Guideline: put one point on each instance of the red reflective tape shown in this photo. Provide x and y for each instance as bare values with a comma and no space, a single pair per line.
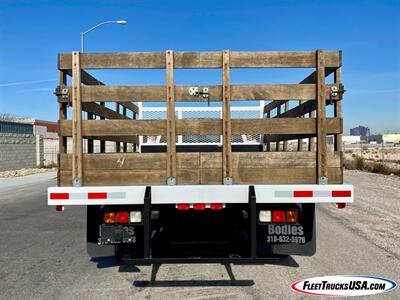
59,196
302,193
97,195
341,193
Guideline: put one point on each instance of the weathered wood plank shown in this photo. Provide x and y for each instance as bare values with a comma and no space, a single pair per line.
338,114
281,59
197,160
117,127
77,171
321,117
202,176
157,93
226,117
102,111
199,127
171,132
188,60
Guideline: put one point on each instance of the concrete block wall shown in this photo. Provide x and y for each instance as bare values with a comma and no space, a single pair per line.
19,151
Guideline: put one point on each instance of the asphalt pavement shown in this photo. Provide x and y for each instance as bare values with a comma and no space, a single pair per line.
43,252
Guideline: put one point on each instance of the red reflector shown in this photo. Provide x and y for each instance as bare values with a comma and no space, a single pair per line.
97,195
302,193
341,193
278,216
341,205
59,196
122,217
216,206
199,206
183,206
59,208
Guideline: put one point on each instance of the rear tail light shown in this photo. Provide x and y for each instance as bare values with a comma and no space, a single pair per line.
109,217
136,217
216,206
292,216
341,205
122,217
60,208
199,206
264,216
278,216
183,206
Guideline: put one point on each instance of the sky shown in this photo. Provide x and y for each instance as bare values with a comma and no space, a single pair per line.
368,33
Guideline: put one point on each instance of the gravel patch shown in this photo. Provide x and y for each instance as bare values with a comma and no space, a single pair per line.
25,172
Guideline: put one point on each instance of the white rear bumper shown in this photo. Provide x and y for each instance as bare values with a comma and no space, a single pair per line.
105,195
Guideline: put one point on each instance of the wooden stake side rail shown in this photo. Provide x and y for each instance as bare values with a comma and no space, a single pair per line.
200,168
201,127
191,60
239,92
87,94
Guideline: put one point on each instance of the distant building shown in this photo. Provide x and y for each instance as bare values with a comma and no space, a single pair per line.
15,128
376,138
46,129
361,131
348,139
391,138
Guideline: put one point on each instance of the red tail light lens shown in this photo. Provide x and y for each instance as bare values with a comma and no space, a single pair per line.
199,206
122,217
341,205
183,206
278,216
216,206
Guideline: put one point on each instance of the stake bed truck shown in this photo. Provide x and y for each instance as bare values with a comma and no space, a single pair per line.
209,181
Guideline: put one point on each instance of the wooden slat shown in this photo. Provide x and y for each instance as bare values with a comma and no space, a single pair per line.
171,134
102,111
321,117
77,172
197,160
201,176
157,93
199,127
338,114
117,127
285,143
62,115
239,59
291,59
226,117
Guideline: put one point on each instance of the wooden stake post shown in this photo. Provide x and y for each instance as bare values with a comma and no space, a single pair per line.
77,171
322,171
171,134
226,119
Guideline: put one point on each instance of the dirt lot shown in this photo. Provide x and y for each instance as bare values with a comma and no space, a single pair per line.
389,156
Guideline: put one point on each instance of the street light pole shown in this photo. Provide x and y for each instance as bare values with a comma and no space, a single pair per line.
120,22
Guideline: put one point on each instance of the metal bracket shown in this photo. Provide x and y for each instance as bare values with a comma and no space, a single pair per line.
337,91
195,91
323,180
63,92
76,183
228,180
171,181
